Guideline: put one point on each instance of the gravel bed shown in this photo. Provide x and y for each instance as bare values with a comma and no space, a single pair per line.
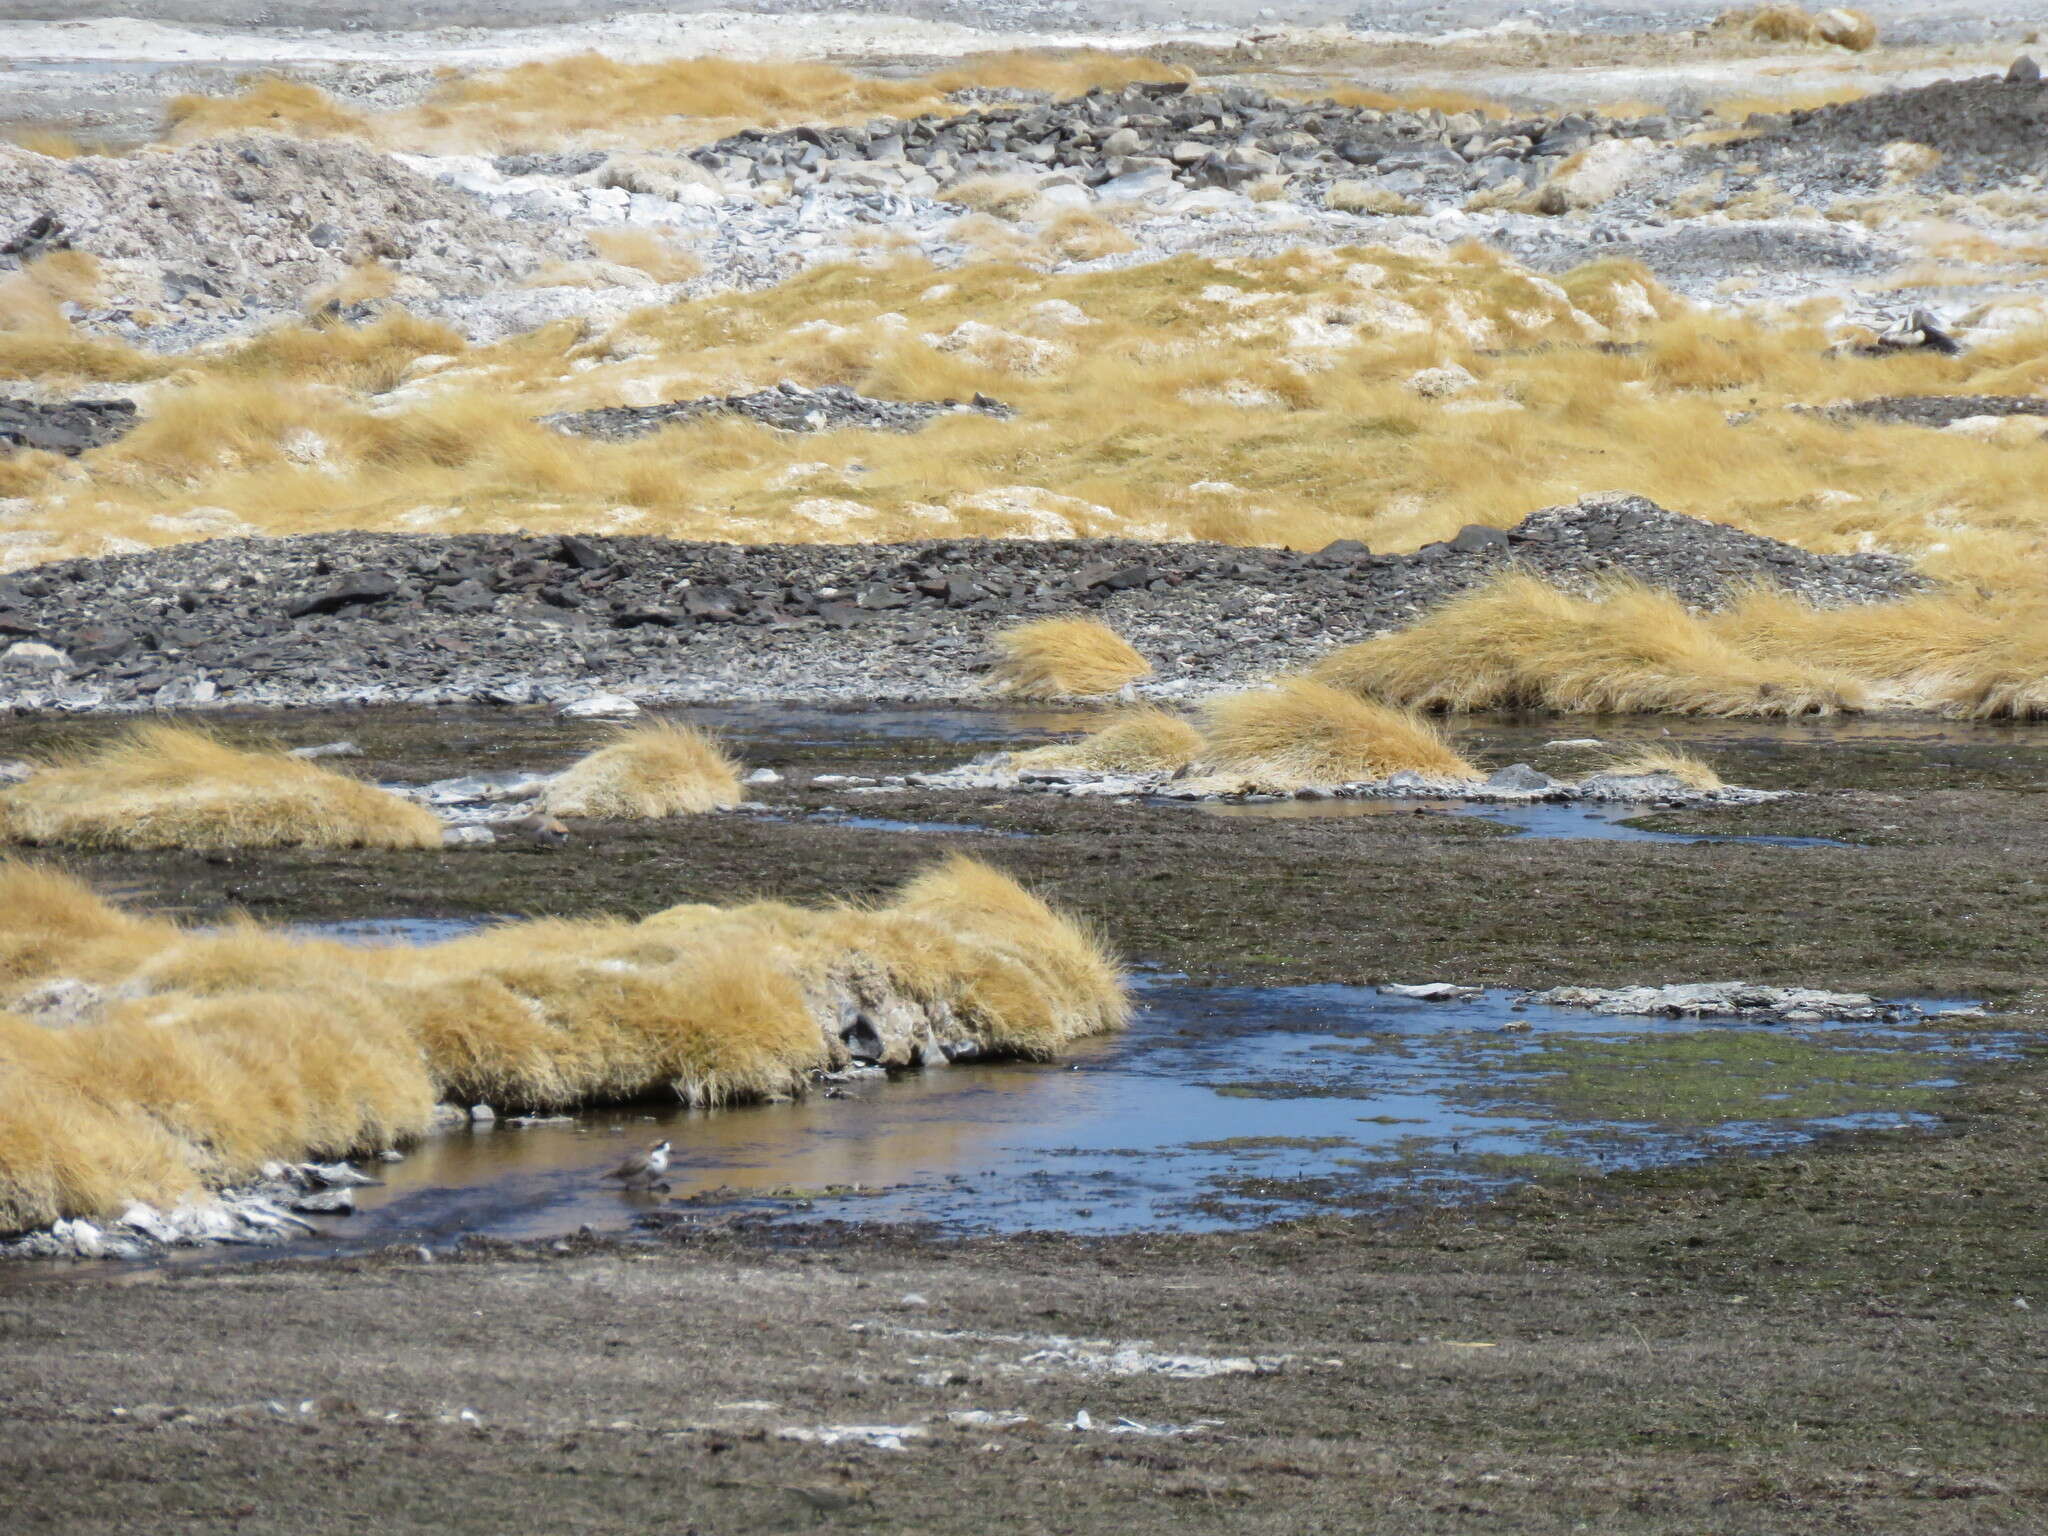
362,617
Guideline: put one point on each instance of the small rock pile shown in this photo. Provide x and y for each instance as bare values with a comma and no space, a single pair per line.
261,221
1701,562
1989,125
1124,143
65,426
788,407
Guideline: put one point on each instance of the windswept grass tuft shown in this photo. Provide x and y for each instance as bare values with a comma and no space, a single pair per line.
1520,643
197,1056
1134,741
162,786
1962,654
652,770
1298,732
1690,770
1065,658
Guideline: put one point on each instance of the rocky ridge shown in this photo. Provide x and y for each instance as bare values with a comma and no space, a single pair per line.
392,618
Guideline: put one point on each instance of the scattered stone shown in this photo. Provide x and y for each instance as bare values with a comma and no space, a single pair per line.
1431,991
787,407
1729,1000
328,749
600,706
69,427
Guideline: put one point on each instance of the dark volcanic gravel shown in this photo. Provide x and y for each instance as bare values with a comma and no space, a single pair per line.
1986,123
790,407
344,617
1939,410
67,426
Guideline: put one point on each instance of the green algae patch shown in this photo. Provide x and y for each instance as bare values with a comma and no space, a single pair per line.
1715,1077
1270,1144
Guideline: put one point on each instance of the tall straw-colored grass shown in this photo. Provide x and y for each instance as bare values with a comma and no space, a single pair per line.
199,1055
1065,658
652,770
597,99
1948,651
1133,741
1298,732
161,786
1520,643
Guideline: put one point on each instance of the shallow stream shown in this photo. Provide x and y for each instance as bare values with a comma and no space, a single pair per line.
1217,1108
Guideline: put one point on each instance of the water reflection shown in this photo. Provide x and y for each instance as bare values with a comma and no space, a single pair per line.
1218,1107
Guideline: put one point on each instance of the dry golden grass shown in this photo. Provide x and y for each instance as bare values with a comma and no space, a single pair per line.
1690,770
1953,651
43,141
1364,197
1775,23
162,786
1133,741
200,1055
365,282
652,770
1291,425
1520,643
1065,658
1079,235
267,102
593,99
1298,732
645,252
1423,99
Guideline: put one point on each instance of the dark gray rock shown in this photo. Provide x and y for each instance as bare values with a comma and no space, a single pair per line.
349,592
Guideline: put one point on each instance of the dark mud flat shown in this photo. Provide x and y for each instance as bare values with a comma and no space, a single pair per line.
1828,1340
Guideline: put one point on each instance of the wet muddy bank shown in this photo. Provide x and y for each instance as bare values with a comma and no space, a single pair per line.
1592,1350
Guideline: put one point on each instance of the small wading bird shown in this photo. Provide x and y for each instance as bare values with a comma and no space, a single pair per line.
643,1170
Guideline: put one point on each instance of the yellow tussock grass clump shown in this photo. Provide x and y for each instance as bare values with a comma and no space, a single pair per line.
645,252
1838,27
364,283
162,786
595,99
185,1059
1964,655
1520,643
1364,197
1134,741
1065,658
268,102
650,771
1007,197
1078,235
1299,732
1690,770
41,141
